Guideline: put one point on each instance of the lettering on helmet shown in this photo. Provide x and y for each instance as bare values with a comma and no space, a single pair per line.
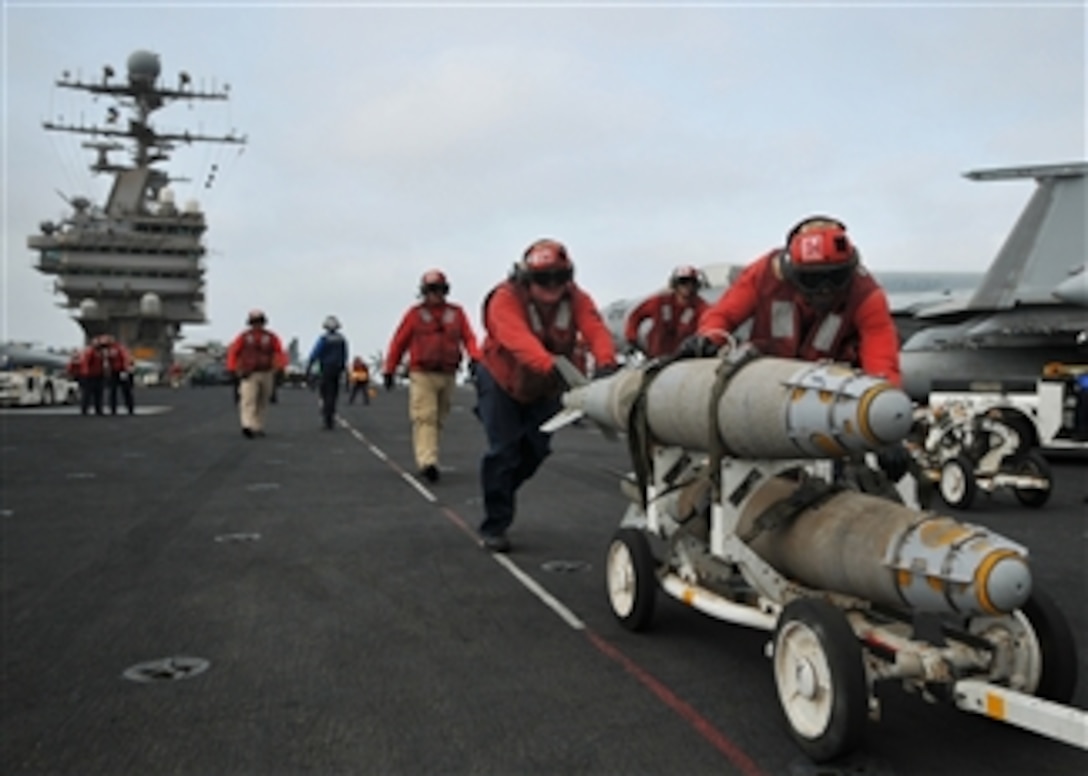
811,247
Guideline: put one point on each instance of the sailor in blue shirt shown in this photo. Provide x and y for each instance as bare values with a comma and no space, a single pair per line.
330,355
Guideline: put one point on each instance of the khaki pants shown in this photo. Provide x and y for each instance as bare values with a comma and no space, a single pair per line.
429,395
254,392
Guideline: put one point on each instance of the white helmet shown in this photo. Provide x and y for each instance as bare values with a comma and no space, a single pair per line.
331,323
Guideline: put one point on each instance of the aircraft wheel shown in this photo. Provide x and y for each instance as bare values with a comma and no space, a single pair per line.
630,578
820,677
957,485
1033,464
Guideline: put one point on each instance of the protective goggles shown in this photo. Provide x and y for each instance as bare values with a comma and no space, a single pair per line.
551,278
436,288
824,280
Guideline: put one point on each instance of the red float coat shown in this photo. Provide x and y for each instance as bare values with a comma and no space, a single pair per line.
674,320
523,338
255,350
75,365
858,330
433,335
91,362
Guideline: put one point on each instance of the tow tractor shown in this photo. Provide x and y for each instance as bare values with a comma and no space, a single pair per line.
986,436
751,501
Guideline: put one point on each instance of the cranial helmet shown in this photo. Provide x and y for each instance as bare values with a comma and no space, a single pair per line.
819,259
686,272
434,280
331,323
546,271
256,317
546,263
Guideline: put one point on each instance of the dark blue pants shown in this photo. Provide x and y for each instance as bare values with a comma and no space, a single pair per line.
122,382
91,390
515,448
330,391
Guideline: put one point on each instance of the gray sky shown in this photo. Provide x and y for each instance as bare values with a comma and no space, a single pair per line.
386,139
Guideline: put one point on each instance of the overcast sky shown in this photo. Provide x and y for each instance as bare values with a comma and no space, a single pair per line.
386,139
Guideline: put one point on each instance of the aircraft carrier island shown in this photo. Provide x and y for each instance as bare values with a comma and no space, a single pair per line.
133,268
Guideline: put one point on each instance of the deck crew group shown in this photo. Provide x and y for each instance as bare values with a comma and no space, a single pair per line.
809,298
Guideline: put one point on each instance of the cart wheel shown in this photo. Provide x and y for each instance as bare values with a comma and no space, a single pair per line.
1034,651
632,583
1033,464
1057,650
820,677
957,485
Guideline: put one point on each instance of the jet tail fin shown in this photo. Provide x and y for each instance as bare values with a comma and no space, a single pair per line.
1046,244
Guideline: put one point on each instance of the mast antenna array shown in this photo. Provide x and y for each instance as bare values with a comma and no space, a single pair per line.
142,94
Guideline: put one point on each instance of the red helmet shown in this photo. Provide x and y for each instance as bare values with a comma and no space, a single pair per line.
686,272
546,263
819,259
434,280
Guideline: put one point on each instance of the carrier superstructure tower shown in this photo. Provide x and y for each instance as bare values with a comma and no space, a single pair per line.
134,268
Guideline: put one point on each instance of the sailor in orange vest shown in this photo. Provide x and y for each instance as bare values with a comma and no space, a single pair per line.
359,380
434,333
254,358
537,314
674,314
811,299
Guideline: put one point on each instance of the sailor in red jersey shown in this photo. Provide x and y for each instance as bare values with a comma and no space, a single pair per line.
254,358
674,314
434,333
535,315
75,372
810,300
93,371
118,371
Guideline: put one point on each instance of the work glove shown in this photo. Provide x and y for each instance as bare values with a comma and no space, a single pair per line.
696,346
894,460
632,347
605,370
387,381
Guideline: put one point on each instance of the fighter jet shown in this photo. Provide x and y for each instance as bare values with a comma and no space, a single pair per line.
1028,309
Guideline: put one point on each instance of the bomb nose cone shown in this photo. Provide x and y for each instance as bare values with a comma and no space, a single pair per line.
888,415
1006,583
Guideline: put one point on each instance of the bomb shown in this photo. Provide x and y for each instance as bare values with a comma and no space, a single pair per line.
759,408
